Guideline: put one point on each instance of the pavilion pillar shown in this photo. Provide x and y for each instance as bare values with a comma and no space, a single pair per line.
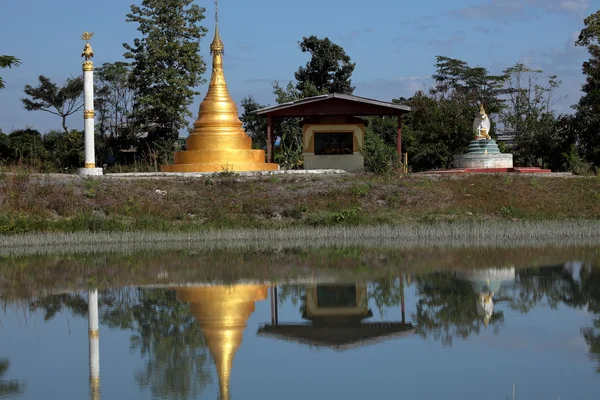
403,310
275,302
269,139
400,135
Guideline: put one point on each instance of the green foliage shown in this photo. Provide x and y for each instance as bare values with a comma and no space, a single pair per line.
8,388
348,215
528,111
27,146
447,308
8,62
587,116
114,101
61,101
576,164
455,78
166,66
328,71
440,124
89,187
65,150
380,157
254,125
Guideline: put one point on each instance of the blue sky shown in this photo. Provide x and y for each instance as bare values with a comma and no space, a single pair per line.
394,43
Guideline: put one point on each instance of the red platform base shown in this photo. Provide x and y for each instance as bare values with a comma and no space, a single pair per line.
518,170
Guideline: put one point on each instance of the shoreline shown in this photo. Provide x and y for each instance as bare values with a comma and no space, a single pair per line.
465,235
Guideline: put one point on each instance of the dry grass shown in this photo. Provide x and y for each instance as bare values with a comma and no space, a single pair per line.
466,234
31,203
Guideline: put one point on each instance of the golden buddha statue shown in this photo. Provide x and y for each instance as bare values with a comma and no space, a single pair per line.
222,313
218,142
481,125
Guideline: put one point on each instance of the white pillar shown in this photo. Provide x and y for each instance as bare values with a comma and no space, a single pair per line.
89,167
88,115
94,337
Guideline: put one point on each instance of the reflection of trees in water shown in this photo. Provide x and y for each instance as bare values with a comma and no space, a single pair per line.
164,332
8,388
167,334
52,305
550,285
447,308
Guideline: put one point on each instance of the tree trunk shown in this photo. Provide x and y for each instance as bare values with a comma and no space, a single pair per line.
64,124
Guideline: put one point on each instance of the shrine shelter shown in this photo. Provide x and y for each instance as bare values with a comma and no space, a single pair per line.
333,134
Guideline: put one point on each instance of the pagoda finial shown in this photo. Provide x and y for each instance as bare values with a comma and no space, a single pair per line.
217,46
216,12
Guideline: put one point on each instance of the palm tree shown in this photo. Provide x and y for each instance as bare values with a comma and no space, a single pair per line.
8,61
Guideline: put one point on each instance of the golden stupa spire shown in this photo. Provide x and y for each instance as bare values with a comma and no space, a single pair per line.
217,45
222,313
218,141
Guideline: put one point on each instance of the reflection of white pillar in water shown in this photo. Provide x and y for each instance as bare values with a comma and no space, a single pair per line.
89,167
94,336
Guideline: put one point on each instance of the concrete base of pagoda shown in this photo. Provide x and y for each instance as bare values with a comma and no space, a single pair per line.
478,161
219,153
483,154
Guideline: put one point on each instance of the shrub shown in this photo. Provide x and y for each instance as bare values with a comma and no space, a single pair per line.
380,157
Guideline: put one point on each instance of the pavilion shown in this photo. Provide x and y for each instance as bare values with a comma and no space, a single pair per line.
333,136
337,315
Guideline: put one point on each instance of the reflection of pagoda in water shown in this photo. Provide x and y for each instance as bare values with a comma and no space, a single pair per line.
486,283
222,313
337,315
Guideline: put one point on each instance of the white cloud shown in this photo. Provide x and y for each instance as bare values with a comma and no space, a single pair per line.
505,10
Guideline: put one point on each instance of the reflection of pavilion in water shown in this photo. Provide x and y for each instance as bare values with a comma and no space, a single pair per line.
337,315
222,313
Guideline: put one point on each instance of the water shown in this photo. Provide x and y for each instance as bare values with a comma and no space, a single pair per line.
453,334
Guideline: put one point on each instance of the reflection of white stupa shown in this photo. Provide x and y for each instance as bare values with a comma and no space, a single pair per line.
486,283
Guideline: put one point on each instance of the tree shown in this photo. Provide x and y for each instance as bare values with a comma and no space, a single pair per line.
455,78
8,62
289,154
114,98
447,308
26,145
529,112
10,388
65,150
328,71
587,116
440,124
254,125
62,101
166,66
167,335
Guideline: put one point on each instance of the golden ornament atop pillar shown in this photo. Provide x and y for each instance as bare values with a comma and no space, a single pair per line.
222,313
218,142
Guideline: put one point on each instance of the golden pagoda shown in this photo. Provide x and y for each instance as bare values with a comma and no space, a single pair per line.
218,142
222,313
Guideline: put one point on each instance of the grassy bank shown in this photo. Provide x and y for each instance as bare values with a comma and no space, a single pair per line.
37,203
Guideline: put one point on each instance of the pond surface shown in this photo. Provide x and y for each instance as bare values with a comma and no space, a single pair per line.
468,334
